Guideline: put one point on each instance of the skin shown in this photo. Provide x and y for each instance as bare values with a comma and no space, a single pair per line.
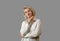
28,14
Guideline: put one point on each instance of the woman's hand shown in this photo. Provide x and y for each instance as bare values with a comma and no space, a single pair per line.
30,19
21,36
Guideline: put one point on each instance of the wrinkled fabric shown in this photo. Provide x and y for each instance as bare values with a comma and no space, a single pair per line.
28,39
35,30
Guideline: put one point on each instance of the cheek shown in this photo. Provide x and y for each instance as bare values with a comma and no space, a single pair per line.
26,14
30,13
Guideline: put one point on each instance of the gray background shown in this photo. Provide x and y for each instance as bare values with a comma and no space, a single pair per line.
11,16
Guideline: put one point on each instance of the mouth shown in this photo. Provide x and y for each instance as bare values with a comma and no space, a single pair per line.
28,14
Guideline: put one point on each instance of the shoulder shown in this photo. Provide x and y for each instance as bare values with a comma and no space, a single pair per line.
23,22
38,20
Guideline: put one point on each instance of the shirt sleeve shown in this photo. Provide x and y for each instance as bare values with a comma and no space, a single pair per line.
24,28
37,30
21,29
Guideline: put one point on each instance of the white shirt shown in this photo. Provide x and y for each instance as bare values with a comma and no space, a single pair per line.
35,29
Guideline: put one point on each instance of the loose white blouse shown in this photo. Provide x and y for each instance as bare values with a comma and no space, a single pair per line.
35,30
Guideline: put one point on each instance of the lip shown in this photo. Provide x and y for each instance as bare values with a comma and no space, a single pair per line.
28,14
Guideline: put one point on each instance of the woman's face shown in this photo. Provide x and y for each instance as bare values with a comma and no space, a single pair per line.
27,13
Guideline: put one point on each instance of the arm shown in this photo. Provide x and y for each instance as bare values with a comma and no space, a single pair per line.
36,32
21,30
24,29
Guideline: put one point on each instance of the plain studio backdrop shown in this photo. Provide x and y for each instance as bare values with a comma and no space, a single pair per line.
11,16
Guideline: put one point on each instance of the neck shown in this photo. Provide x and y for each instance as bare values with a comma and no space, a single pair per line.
32,21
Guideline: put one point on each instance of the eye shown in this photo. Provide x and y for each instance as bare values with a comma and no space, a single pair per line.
28,10
25,12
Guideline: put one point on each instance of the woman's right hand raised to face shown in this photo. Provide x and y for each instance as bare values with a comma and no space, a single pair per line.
30,19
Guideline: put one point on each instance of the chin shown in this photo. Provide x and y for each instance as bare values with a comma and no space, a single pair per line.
28,17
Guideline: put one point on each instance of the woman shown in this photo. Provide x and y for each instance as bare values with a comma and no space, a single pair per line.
31,26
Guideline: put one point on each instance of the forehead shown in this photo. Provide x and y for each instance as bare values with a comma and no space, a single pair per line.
26,9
